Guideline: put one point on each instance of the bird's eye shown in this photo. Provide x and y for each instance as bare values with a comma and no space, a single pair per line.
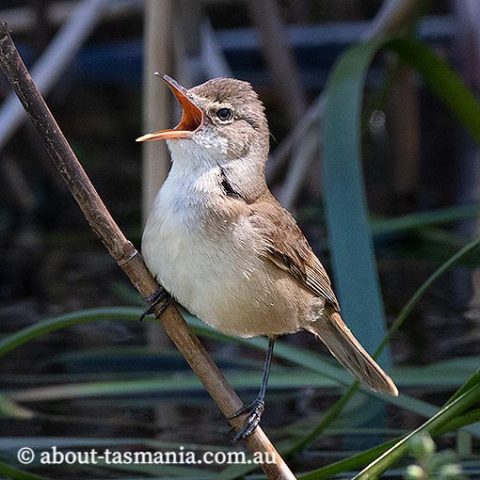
224,114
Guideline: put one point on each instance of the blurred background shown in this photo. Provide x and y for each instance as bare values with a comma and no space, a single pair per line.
90,373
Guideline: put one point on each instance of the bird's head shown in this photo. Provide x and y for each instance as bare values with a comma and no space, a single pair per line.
222,117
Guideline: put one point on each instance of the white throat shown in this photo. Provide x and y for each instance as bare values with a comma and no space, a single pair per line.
194,176
198,173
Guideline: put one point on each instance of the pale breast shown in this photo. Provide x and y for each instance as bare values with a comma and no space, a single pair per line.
216,271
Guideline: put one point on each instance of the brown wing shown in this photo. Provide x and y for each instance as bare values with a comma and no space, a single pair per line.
289,250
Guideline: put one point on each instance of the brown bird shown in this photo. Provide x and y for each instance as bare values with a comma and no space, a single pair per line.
225,249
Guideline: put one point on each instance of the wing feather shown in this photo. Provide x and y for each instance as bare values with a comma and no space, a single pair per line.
289,250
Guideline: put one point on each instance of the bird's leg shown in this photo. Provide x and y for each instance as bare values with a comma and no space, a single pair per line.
161,296
255,408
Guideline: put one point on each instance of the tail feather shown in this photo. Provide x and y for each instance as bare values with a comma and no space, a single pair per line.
333,332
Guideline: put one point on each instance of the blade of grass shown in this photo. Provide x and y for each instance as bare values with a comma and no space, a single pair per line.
9,408
448,413
7,471
442,80
349,235
44,327
348,464
418,220
410,305
442,424
461,421
472,381
166,384
330,416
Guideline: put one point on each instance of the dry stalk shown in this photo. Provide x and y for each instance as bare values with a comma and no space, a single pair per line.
123,252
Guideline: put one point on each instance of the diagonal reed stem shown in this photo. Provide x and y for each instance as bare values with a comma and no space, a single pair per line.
123,252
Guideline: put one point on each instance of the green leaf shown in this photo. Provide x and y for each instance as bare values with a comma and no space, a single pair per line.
166,384
385,455
471,382
9,408
350,238
7,471
442,80
449,412
418,220
44,327
410,305
348,464
346,209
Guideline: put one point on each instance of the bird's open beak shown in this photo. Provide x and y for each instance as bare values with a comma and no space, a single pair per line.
192,117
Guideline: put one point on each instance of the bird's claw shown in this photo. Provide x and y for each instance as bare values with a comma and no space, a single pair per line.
254,410
161,296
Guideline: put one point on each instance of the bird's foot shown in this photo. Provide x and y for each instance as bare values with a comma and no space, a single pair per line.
254,410
162,297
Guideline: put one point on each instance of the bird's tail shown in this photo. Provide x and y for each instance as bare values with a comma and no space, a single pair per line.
333,332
